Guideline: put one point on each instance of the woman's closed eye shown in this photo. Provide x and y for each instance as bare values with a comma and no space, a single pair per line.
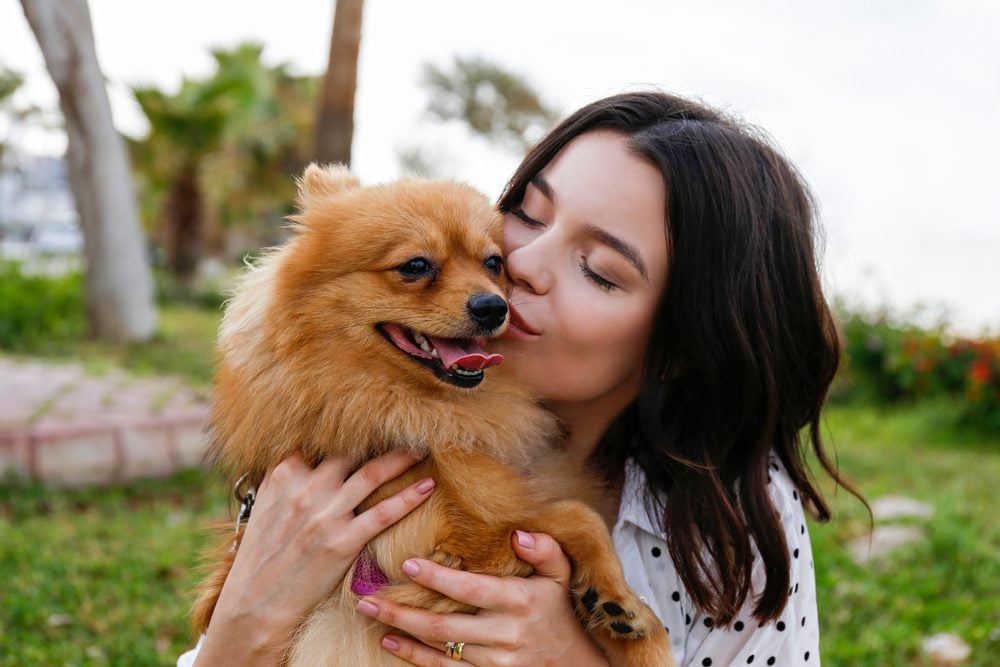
595,277
526,219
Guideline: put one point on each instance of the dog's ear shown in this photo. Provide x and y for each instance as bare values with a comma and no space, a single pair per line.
331,179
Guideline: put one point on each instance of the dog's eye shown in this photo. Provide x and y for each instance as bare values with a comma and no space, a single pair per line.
494,263
415,267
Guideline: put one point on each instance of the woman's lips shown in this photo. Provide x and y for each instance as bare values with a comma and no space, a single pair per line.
517,327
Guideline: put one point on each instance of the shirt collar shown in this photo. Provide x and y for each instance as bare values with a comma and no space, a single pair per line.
633,506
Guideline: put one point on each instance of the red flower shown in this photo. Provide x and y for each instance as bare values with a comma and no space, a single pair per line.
979,371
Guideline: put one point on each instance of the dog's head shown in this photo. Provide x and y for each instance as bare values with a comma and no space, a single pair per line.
406,276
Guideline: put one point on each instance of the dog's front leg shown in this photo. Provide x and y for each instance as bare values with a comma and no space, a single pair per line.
625,628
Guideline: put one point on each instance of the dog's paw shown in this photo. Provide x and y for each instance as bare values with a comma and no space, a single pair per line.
443,557
619,614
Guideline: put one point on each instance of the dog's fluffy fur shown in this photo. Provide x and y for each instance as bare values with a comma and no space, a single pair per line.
305,367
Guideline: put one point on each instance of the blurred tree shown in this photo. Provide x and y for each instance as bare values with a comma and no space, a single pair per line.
268,138
219,152
335,118
118,283
10,81
184,128
494,102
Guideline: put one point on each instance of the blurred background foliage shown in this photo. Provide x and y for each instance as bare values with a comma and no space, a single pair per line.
891,361
214,172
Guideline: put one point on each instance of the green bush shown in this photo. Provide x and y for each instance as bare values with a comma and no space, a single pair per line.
39,311
204,294
887,362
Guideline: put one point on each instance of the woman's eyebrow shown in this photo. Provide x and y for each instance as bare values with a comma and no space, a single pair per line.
539,182
622,247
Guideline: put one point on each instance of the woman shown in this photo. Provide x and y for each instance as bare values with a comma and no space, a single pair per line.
666,303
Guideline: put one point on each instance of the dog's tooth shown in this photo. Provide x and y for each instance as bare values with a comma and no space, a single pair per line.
434,353
425,346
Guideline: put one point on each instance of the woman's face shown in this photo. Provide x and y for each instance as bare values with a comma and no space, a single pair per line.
587,257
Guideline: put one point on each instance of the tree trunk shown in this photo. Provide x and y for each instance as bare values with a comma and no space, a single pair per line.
185,220
119,287
335,119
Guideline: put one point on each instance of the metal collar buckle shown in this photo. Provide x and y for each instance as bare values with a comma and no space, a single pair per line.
246,494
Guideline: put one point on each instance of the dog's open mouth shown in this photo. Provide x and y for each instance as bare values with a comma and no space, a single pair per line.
457,361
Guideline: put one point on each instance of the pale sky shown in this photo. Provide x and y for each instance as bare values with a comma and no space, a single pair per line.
887,107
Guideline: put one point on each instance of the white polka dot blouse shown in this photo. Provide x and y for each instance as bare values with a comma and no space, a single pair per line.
697,642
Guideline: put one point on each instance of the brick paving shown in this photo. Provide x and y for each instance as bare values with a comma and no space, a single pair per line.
66,426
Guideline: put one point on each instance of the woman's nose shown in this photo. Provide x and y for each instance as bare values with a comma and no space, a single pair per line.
529,266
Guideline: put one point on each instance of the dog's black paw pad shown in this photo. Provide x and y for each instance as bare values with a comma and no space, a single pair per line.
589,599
624,629
612,609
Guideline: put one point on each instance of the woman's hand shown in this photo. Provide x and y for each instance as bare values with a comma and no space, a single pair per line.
299,544
521,621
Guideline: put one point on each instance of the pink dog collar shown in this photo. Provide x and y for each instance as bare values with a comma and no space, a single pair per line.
368,576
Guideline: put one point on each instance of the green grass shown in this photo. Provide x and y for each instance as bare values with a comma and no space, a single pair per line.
103,576
879,614
184,346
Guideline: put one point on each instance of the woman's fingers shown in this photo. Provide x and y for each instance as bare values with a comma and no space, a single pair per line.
289,467
433,628
417,653
545,554
332,471
374,474
478,590
380,516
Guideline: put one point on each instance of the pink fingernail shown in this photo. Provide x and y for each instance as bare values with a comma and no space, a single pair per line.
390,643
525,539
425,485
411,567
367,608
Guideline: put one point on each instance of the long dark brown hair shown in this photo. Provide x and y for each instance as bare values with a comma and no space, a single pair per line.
743,350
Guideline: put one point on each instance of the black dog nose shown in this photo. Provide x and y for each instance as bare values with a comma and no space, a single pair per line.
488,310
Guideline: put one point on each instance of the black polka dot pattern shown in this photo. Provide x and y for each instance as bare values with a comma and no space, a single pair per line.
700,639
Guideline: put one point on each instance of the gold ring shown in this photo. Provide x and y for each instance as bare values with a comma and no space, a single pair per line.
454,650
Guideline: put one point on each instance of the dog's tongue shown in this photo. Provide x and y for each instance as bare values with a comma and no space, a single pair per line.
468,354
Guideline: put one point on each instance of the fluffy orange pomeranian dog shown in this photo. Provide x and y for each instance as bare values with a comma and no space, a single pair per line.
364,334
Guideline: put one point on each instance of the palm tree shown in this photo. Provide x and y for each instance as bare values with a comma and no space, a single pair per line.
335,118
220,153
184,129
248,180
